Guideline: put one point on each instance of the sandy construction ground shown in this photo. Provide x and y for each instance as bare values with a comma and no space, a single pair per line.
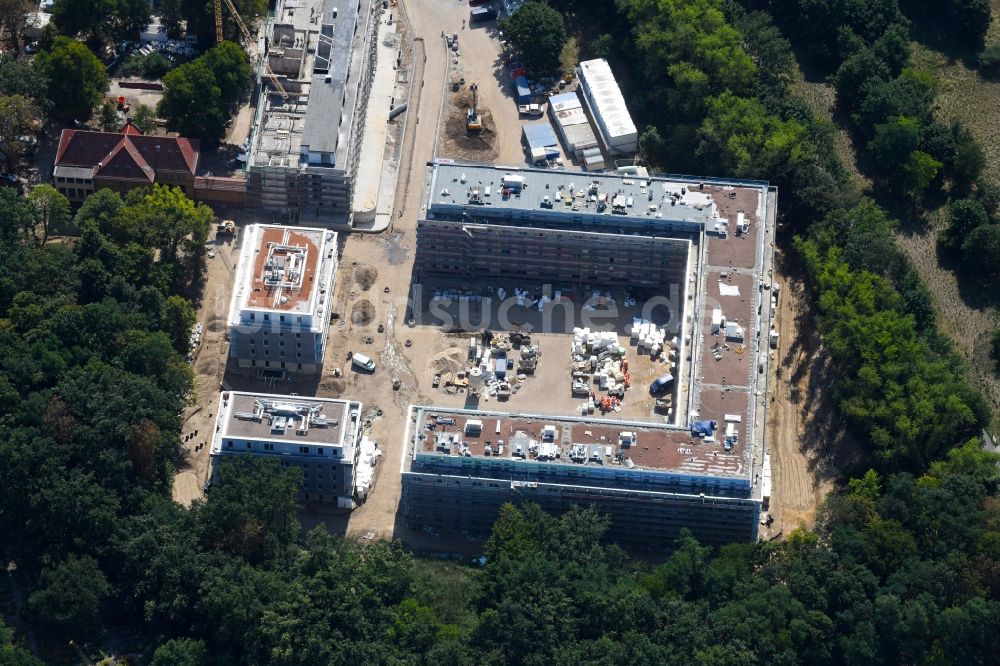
806,443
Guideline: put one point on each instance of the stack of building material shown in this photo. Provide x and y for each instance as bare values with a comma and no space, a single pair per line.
365,469
586,341
647,337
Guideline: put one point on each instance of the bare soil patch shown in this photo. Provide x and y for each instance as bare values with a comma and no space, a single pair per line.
458,142
365,276
362,312
806,440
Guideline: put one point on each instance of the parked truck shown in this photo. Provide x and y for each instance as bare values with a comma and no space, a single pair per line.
482,13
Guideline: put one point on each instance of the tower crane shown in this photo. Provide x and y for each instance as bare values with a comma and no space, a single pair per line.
250,41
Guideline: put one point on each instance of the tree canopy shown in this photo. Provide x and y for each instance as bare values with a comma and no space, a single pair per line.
101,19
17,117
76,80
539,34
198,95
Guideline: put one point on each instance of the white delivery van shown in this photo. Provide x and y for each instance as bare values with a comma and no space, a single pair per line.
362,362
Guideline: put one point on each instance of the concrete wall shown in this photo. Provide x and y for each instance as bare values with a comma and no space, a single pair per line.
257,347
227,191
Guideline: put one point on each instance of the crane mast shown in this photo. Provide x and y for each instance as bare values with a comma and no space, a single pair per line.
250,41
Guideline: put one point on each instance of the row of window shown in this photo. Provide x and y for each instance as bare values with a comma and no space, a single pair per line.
281,318
79,181
267,353
269,446
74,193
267,364
281,343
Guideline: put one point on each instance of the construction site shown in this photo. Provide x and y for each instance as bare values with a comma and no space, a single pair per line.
598,303
318,65
622,318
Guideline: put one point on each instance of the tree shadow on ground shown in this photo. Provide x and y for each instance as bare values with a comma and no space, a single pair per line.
832,453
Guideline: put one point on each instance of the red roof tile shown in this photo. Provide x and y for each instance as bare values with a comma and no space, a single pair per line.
79,148
125,162
130,128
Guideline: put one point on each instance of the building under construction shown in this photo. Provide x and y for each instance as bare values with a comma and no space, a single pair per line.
321,436
561,227
651,479
279,314
306,139
702,468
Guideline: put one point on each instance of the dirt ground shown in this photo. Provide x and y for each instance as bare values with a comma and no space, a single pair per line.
460,143
438,350
479,60
210,361
805,444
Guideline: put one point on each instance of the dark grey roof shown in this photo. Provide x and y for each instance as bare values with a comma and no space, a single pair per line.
322,125
326,96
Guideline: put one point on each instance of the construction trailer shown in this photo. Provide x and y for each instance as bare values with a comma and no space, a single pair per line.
540,142
568,117
606,104
481,14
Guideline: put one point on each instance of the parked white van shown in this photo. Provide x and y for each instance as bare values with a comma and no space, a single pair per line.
362,362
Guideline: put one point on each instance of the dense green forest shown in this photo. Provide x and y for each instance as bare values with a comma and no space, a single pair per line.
903,565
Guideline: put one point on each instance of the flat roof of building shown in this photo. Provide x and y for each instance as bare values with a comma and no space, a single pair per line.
311,117
568,117
650,446
727,365
262,417
647,198
565,102
539,136
283,269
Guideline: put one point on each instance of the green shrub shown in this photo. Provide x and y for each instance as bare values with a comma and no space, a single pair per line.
989,61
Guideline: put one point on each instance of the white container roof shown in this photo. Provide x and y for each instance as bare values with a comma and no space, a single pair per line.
606,97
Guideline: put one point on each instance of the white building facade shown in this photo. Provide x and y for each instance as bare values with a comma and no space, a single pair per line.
320,436
282,298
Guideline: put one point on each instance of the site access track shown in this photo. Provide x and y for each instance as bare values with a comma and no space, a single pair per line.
377,517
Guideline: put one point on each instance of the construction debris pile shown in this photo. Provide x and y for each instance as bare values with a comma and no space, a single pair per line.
490,366
194,341
599,359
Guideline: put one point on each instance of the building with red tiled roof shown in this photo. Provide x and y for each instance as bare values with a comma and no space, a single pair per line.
89,161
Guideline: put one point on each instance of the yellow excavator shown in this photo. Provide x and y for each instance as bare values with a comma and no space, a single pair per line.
473,121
